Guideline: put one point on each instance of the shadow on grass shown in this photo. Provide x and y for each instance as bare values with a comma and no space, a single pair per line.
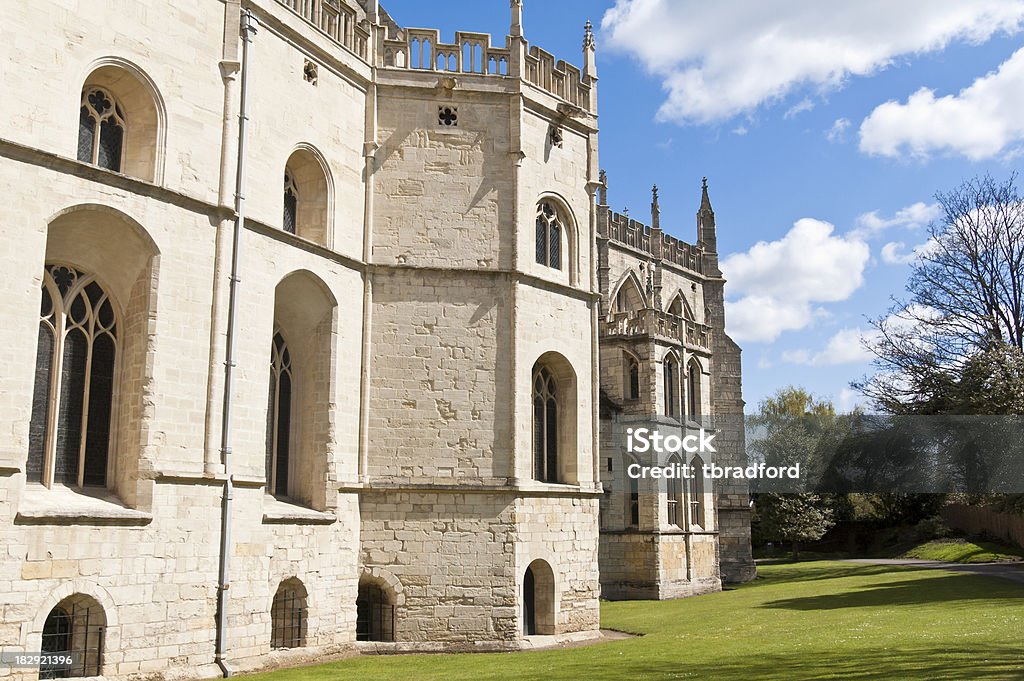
985,663
944,589
806,572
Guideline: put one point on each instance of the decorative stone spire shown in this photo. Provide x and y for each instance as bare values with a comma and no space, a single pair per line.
589,53
602,192
516,29
655,209
706,236
705,201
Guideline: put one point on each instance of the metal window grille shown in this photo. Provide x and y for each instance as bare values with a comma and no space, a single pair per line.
375,617
74,633
288,619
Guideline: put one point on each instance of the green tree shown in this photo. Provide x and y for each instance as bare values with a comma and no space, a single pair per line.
793,518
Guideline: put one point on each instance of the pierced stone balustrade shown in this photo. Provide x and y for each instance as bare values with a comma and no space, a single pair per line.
651,322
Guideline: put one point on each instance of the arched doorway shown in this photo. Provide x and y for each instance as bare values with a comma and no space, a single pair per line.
375,613
538,599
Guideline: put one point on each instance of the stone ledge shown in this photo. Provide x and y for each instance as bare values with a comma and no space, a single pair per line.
67,506
277,512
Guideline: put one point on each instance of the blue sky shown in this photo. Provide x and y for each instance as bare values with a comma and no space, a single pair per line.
822,153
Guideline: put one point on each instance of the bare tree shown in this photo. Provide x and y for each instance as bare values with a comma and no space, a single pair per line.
966,299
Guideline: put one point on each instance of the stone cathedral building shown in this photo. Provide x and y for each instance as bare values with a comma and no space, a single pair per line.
384,409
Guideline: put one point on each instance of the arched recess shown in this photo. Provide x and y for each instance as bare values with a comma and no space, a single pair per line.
629,294
74,597
680,307
145,116
630,376
553,394
631,496
553,209
98,243
540,599
289,615
376,607
308,196
299,429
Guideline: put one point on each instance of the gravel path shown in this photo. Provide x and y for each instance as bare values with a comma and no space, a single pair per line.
1012,571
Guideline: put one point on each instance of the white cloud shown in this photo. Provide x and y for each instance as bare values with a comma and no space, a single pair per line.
719,59
740,130
982,121
894,253
803,105
845,347
779,282
847,400
914,216
837,133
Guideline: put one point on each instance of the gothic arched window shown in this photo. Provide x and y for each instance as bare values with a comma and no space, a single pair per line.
545,426
101,127
72,400
670,386
288,615
675,494
279,417
291,203
549,236
632,378
696,491
693,389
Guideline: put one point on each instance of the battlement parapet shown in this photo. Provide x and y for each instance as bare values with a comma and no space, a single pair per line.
633,233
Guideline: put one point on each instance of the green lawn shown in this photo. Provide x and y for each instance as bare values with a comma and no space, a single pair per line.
964,551
806,621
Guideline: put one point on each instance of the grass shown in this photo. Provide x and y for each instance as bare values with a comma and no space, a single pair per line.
799,622
964,551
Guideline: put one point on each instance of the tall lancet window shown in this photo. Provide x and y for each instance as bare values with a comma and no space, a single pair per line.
549,236
279,417
670,386
545,426
291,203
73,397
693,389
101,126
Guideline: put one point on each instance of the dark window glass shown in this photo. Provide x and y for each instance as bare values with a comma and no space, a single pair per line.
542,241
40,402
101,393
86,135
72,403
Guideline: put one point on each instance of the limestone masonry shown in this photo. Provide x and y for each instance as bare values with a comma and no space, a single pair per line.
441,336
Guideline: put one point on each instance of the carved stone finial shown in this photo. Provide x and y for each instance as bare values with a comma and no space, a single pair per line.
602,191
705,183
588,36
654,193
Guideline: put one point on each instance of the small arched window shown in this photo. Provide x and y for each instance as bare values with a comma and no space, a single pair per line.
670,386
375,614
72,401
279,417
693,389
545,426
675,494
549,236
696,484
288,616
72,640
632,378
101,129
291,203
